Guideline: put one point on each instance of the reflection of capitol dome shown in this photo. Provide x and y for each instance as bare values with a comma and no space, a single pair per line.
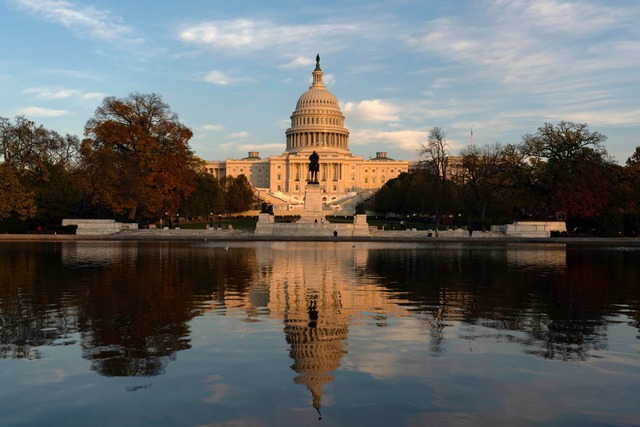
317,120
317,337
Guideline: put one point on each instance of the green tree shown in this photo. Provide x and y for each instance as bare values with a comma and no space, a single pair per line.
238,194
43,162
564,141
31,149
391,197
571,169
153,165
59,196
207,197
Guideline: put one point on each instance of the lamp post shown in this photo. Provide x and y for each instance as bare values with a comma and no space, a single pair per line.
210,219
177,221
219,221
166,220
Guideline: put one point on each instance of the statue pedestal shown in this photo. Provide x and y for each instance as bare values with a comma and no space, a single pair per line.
312,204
360,225
265,224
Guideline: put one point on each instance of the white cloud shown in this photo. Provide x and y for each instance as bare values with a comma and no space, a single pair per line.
242,36
602,118
219,78
100,24
88,96
374,110
49,93
299,62
405,140
272,147
211,128
43,112
54,93
532,42
573,18
241,134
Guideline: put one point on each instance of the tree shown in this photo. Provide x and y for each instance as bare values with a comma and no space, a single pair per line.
566,160
14,199
58,196
635,158
585,189
483,167
434,159
41,163
392,196
206,198
238,194
31,149
562,142
142,145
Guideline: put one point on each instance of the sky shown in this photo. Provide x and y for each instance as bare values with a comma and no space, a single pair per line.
484,71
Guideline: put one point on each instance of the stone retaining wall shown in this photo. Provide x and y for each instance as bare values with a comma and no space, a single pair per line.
98,227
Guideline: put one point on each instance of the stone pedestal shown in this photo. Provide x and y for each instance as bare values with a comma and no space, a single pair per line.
361,226
265,224
312,204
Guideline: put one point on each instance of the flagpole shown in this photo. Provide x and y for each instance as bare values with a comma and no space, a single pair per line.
471,137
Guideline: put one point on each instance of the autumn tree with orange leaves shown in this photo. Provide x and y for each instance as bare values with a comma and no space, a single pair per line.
136,157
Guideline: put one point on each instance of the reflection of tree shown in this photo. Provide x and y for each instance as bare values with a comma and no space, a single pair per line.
555,310
136,314
130,302
34,311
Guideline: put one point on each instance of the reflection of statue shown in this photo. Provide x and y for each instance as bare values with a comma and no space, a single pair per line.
314,166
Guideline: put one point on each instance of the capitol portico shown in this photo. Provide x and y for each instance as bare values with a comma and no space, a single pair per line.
317,124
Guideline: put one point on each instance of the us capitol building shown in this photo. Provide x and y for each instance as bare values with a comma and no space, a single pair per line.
317,124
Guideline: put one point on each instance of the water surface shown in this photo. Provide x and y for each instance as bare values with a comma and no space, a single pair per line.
293,333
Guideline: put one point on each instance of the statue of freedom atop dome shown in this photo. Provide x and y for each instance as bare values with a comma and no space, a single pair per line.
314,167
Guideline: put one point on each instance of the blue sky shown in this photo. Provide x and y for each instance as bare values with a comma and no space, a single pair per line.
233,71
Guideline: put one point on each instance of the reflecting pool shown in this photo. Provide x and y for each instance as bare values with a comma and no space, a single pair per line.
318,333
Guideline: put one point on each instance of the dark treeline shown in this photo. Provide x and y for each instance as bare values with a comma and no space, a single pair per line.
562,172
133,164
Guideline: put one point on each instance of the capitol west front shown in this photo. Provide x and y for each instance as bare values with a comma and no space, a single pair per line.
317,124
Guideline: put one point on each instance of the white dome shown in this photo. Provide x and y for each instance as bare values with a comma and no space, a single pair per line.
317,122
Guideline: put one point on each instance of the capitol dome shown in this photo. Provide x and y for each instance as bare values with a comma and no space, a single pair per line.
317,122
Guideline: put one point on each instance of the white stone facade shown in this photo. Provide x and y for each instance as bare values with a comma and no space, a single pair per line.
317,124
